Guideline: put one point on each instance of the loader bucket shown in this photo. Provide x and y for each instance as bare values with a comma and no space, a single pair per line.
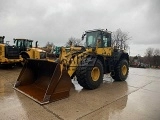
43,81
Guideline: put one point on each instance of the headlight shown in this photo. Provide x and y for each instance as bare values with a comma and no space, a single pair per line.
43,55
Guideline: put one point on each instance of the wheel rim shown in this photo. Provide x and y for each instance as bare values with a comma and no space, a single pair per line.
124,70
95,73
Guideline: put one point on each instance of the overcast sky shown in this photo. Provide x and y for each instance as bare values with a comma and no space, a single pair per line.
58,20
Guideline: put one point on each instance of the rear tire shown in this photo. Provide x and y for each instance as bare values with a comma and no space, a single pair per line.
90,75
121,71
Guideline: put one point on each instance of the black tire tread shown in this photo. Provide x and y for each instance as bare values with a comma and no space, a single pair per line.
118,76
82,76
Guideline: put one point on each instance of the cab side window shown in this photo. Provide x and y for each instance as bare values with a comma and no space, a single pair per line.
105,41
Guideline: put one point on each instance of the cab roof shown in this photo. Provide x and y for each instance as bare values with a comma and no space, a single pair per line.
22,39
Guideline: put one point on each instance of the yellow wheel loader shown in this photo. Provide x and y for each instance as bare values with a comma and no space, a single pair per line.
46,81
9,55
26,50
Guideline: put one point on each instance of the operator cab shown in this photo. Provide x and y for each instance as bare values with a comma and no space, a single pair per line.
100,38
23,44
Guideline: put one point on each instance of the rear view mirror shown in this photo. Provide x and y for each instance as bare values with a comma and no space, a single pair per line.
14,40
83,36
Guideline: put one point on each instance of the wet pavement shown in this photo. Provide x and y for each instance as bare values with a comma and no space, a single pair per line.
136,99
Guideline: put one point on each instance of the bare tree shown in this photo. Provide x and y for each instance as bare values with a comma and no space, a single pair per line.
120,39
149,52
74,42
156,57
157,52
48,44
149,55
48,47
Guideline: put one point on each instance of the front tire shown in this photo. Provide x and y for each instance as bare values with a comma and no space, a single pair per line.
90,75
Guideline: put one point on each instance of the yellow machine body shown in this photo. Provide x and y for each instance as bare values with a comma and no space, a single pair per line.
35,53
9,55
26,49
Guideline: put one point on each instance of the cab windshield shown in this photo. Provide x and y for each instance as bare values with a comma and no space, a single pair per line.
98,38
91,38
23,43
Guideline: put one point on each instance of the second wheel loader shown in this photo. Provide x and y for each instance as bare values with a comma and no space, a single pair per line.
9,55
26,49
46,81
